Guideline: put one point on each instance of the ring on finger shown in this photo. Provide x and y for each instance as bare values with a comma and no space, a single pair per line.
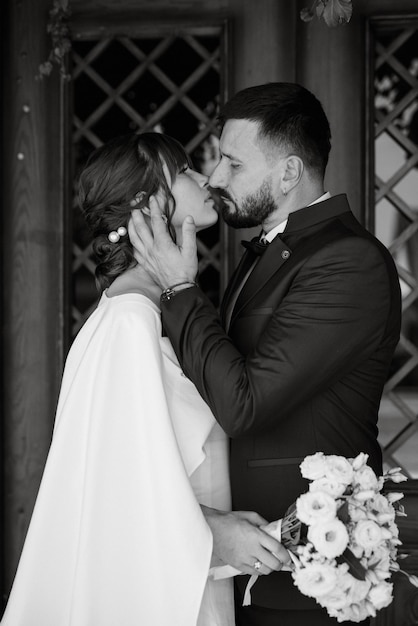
258,565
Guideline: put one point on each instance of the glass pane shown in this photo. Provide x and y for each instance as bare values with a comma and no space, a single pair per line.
396,225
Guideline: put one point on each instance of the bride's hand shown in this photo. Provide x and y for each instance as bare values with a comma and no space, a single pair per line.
239,541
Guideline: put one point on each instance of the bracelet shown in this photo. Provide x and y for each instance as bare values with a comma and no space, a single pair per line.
170,292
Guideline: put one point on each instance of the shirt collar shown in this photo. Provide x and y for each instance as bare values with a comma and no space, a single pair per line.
280,227
324,196
275,231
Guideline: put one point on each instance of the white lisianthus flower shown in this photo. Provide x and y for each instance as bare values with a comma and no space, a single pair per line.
329,538
357,512
364,494
381,595
387,534
308,556
305,552
360,460
393,529
313,507
382,509
372,577
413,580
313,466
366,479
358,590
335,600
339,469
357,550
315,580
395,475
334,488
382,573
379,560
367,534
355,613
393,496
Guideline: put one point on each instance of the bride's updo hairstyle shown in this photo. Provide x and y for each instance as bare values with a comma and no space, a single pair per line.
118,177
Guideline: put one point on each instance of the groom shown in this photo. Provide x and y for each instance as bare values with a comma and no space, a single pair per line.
309,322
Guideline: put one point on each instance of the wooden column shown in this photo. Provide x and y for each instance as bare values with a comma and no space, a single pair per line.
330,63
263,50
32,256
263,37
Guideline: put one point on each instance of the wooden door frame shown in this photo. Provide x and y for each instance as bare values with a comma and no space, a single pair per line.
33,279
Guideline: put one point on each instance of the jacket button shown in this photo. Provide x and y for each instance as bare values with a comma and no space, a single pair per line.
285,254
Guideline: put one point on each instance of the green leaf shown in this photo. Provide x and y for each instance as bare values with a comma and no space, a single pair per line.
354,566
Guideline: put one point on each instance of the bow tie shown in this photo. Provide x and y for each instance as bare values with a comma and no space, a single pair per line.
256,246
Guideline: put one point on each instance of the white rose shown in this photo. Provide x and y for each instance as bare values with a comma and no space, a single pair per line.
329,538
313,466
334,488
381,595
339,469
367,534
366,479
312,507
315,579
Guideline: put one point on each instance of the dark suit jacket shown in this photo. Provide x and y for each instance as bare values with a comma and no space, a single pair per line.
311,339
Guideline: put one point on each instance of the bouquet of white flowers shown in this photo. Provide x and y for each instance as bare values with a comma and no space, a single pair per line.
342,536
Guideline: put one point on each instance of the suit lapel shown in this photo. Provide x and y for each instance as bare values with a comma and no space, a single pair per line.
237,277
299,224
272,260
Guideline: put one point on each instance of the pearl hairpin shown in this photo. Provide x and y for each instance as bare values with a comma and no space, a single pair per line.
115,235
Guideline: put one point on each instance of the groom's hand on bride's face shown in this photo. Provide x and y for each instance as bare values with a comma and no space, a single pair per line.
239,541
155,250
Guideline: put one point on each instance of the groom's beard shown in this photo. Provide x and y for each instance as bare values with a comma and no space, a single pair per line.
254,210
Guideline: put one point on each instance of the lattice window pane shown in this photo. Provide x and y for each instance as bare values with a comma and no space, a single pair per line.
396,224
163,82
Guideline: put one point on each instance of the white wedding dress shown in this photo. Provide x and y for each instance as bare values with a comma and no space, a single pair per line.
117,537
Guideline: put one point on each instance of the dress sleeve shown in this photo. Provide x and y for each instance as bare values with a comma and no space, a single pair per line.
116,525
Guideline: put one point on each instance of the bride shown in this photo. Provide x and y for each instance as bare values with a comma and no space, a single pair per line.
117,536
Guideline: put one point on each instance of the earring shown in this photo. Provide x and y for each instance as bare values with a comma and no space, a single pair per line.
284,191
137,199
